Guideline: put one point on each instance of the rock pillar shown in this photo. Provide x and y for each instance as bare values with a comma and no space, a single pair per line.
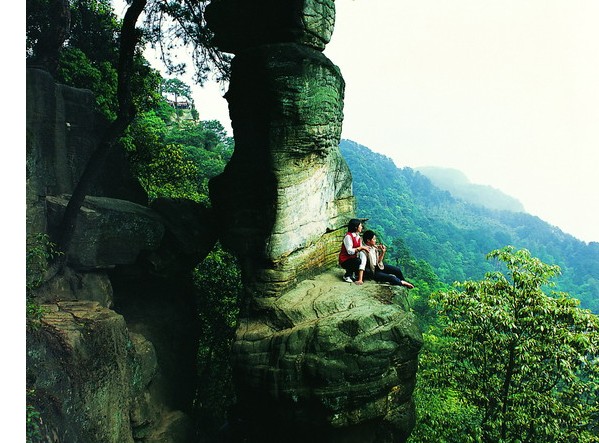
314,359
287,188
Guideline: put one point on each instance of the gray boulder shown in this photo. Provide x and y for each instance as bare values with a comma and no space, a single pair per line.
109,232
63,130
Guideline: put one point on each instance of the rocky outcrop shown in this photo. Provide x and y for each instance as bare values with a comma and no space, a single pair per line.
239,24
315,359
109,232
112,358
329,362
63,129
91,378
295,187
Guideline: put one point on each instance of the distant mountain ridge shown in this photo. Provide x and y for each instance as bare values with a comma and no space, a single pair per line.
458,185
453,235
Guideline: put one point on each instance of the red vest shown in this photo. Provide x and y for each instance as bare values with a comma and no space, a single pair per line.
344,255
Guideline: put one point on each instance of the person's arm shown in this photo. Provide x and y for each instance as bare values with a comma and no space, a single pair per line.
349,245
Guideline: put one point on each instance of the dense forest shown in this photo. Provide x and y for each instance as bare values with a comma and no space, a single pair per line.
452,235
436,239
498,336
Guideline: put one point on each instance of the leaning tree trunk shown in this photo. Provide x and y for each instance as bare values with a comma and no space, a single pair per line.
125,114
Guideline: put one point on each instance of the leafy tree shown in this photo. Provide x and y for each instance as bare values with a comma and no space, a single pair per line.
176,160
46,29
177,88
527,362
89,59
95,30
218,283
128,46
443,413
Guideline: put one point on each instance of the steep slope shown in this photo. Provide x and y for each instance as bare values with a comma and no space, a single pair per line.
461,187
454,236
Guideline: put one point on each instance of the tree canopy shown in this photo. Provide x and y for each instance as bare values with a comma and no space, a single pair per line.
523,364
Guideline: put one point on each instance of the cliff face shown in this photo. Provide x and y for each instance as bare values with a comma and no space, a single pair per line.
314,358
113,357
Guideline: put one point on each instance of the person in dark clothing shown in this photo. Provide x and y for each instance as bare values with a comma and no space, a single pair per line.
375,268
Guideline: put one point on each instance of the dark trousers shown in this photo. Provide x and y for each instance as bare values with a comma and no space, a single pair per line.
389,274
351,266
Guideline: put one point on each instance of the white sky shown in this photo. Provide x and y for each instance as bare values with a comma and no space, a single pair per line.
507,91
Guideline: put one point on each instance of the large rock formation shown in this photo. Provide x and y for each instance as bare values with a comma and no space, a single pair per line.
62,132
314,358
328,362
112,358
287,188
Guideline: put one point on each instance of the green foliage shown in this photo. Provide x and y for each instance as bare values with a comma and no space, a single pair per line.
171,174
176,159
40,251
95,29
89,57
174,86
526,361
421,274
443,414
219,288
454,236
76,69
33,421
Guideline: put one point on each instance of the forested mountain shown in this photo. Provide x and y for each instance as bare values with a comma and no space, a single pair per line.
453,236
459,186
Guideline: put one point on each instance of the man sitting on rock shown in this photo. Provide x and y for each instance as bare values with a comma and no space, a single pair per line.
375,268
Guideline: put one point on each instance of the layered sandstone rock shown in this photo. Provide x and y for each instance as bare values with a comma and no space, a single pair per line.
328,361
90,378
315,359
286,188
113,357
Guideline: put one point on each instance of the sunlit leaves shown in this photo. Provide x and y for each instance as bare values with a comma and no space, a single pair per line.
525,359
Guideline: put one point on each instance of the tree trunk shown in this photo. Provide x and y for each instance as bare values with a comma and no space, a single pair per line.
125,114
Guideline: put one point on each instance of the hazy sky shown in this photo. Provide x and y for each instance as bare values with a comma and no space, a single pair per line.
507,91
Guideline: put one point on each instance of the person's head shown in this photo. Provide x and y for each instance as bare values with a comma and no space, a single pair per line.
369,238
354,225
